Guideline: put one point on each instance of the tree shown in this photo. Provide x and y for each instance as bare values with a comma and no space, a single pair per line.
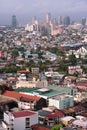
15,53
3,88
72,59
62,68
42,65
57,127
30,64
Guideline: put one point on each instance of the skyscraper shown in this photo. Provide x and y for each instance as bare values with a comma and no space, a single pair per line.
83,21
66,20
48,18
60,20
14,21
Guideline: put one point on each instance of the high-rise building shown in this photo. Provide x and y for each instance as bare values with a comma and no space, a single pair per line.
55,22
14,21
48,18
60,20
83,21
52,26
66,20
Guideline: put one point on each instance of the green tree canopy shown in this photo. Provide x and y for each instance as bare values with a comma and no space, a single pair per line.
56,127
72,59
3,88
15,53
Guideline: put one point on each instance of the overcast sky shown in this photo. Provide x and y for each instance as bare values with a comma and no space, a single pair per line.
26,9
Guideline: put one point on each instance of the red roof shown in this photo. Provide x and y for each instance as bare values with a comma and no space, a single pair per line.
55,114
18,95
37,127
23,71
12,79
2,55
78,108
81,84
23,114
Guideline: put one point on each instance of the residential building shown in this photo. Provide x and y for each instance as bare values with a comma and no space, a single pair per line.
32,84
75,110
50,56
82,51
80,121
20,120
61,101
54,118
26,101
67,120
75,69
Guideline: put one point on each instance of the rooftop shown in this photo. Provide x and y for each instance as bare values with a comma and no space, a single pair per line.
60,88
62,97
67,118
38,127
23,113
18,95
55,114
37,91
43,112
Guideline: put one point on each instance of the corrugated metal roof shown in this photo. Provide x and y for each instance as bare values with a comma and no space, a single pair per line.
18,95
23,113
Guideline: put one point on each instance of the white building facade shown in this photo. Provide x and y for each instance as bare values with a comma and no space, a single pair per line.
21,120
31,84
61,102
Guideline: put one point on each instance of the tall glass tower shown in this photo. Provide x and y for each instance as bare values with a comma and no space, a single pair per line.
14,21
48,18
66,21
83,21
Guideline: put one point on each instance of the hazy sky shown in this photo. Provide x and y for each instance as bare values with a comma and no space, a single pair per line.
26,9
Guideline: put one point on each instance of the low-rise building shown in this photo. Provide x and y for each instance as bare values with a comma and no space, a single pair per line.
20,120
62,101
31,84
26,101
75,69
67,120
80,122
75,110
54,118
65,90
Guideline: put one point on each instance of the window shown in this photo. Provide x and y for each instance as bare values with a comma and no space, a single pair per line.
27,122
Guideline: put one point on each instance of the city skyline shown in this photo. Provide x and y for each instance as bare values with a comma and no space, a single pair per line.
26,9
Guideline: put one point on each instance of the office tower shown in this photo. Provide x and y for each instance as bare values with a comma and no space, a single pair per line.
14,21
60,20
86,22
83,21
66,21
55,22
52,26
48,18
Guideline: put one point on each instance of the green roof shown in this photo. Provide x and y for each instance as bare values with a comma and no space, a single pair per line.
27,90
48,93
52,90
60,88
